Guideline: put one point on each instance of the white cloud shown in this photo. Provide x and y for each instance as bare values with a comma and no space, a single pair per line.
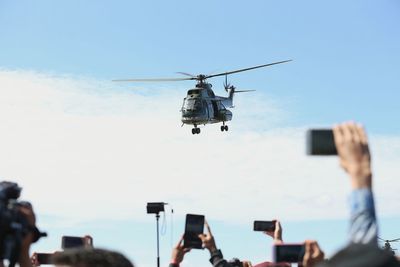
87,149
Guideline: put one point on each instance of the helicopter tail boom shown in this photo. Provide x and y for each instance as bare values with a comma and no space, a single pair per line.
228,102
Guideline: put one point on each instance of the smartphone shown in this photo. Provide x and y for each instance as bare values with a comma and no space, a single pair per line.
193,227
44,258
264,226
288,252
73,242
320,142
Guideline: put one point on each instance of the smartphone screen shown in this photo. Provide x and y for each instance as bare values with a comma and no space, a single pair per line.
193,227
72,242
288,252
321,142
264,226
44,258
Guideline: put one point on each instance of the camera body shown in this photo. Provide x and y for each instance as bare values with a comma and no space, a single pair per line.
155,207
235,262
14,226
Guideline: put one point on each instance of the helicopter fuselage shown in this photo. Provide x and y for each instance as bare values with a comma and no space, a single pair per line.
202,106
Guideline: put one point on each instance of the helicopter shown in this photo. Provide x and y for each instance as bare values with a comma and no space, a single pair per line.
201,106
387,245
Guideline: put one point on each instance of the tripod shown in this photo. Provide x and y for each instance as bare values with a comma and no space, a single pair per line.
156,208
158,240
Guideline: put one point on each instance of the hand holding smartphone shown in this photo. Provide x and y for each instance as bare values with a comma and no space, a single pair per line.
264,226
288,252
42,258
68,242
194,226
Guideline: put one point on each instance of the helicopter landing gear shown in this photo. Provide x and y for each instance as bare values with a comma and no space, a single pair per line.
224,127
195,130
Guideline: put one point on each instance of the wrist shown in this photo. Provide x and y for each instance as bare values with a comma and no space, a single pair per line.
361,180
174,262
212,249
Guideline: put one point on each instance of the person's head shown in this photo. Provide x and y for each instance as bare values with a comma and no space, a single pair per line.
90,258
360,255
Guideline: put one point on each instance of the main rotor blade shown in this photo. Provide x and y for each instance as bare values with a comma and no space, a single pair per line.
246,69
156,80
186,74
395,240
243,91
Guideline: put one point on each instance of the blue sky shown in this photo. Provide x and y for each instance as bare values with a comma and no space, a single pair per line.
57,60
344,52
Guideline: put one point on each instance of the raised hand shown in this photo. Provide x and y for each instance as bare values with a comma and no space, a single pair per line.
178,252
208,239
352,146
277,234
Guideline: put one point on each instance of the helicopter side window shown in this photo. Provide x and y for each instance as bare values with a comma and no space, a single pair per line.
221,106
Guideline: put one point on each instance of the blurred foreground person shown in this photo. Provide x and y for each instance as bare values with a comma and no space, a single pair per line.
17,226
354,155
90,258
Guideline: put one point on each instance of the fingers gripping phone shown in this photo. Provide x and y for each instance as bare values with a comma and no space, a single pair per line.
264,226
193,227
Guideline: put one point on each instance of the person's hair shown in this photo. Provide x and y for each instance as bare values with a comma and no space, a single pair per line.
359,255
91,258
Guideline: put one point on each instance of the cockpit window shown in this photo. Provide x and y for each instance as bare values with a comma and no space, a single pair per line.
192,104
194,92
194,107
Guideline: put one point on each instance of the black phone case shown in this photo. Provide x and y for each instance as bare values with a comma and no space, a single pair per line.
263,226
320,142
191,239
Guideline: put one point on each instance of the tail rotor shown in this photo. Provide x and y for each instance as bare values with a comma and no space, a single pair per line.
232,89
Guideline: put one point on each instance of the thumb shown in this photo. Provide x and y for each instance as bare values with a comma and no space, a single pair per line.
202,237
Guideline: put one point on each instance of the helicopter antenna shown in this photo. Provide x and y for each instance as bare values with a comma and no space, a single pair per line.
226,84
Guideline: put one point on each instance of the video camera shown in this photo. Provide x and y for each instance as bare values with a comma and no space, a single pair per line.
14,226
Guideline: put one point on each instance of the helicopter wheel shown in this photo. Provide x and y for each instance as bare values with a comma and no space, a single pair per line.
222,128
195,130
226,127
